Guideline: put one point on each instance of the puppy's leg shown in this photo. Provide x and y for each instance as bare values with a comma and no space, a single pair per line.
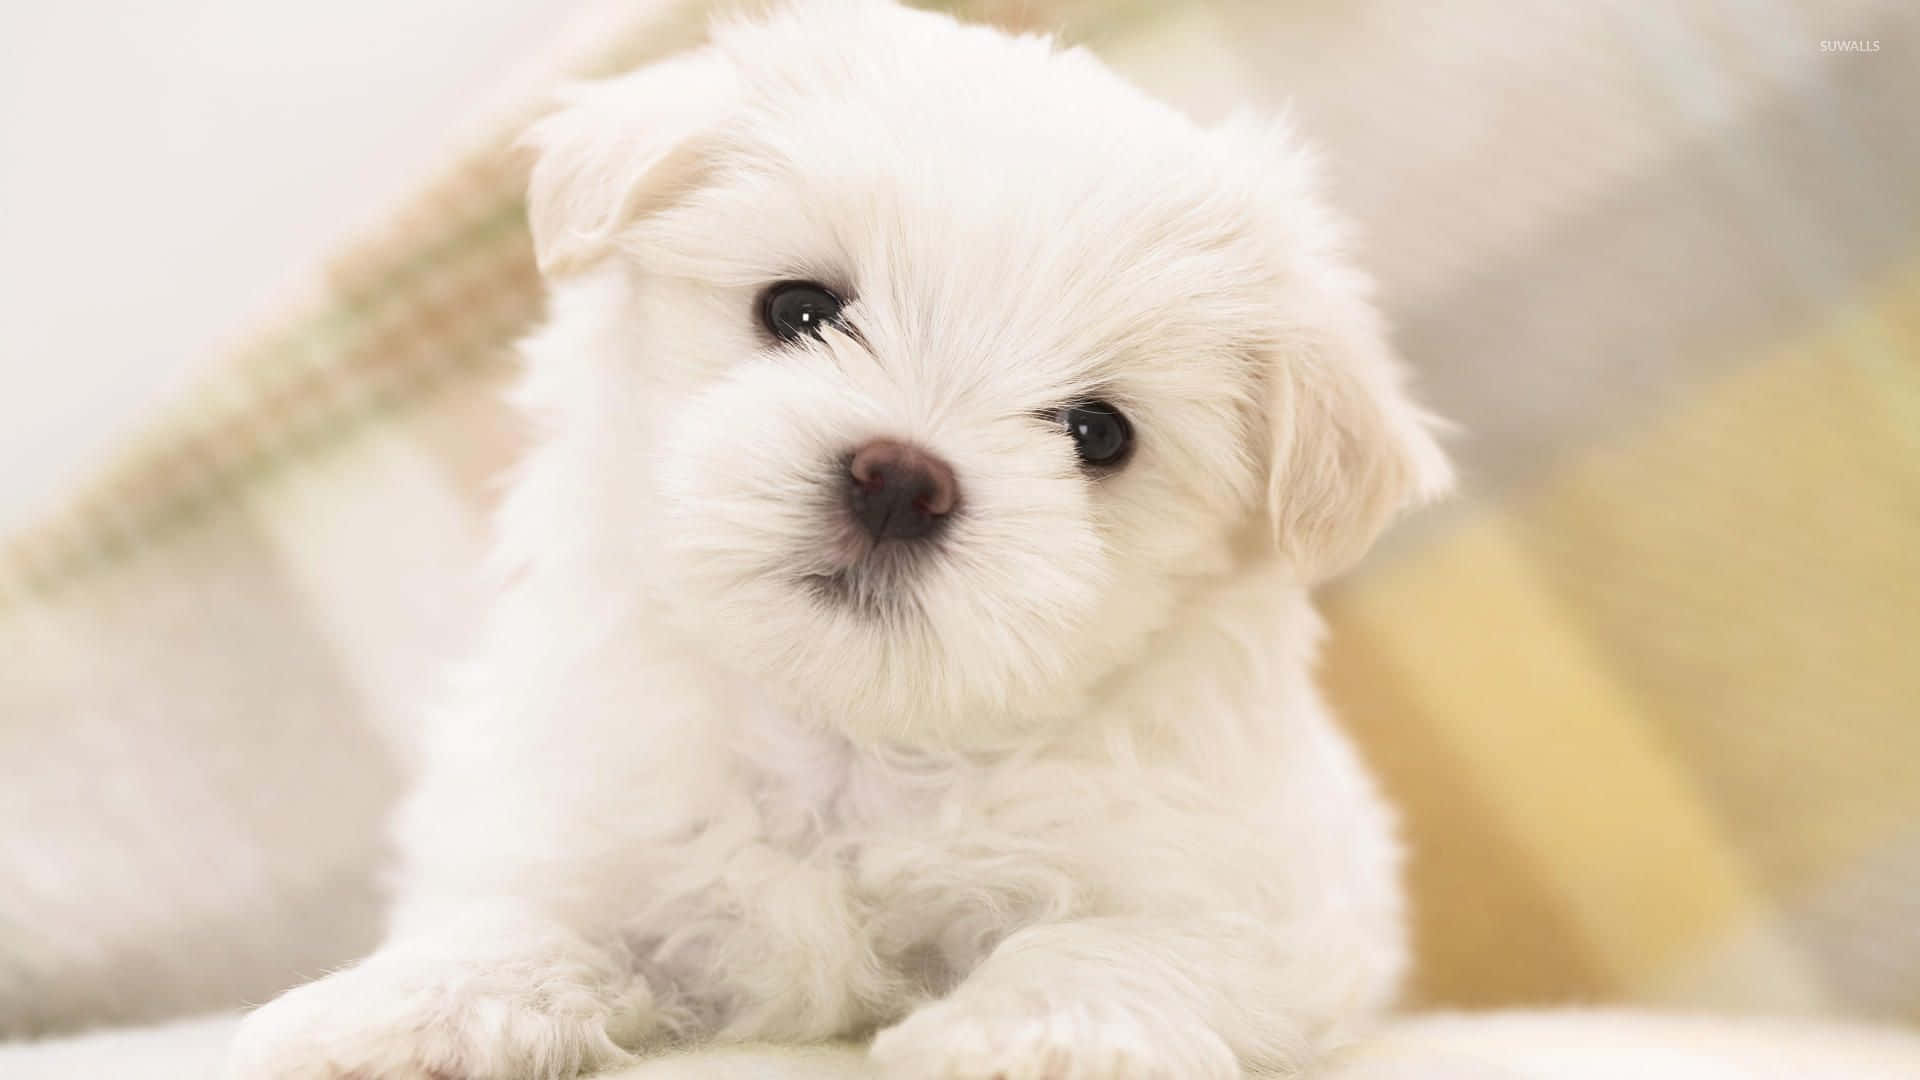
481,996
1126,999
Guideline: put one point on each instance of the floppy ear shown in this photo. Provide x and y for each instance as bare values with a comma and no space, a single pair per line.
1350,448
619,149
1348,444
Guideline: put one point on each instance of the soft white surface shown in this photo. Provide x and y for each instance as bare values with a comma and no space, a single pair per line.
192,1049
1509,1046
169,173
1603,1045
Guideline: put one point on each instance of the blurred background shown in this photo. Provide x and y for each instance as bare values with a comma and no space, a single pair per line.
1648,692
172,175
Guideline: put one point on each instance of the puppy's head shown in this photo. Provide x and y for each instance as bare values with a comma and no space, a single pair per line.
919,373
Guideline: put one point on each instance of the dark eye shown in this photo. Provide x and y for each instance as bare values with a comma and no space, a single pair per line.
1100,432
791,310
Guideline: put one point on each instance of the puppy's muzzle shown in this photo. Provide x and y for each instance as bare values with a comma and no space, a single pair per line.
897,491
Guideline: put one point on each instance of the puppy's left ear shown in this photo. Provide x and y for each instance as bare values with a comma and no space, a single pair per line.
619,149
1350,448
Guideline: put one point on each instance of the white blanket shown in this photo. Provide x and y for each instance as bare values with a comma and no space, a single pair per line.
1570,1045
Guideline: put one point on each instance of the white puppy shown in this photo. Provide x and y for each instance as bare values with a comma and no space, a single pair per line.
906,628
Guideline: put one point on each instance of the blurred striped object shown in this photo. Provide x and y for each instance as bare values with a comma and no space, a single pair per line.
1649,694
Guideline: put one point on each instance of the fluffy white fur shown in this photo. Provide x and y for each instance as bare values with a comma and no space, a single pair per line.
1062,802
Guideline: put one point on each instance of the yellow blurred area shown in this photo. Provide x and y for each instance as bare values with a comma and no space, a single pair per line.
1645,715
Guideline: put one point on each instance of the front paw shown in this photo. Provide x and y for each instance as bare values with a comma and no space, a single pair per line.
1009,1036
387,1021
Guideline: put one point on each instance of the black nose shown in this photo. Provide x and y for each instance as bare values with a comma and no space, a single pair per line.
899,491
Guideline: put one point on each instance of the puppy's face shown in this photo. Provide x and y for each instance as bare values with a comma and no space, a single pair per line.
930,371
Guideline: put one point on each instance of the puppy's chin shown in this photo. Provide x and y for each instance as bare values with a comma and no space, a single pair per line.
980,630
876,580
886,642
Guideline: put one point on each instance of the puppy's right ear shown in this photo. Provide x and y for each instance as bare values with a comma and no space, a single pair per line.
620,149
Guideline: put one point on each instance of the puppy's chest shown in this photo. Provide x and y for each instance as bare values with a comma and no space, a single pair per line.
816,793
911,838
831,851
